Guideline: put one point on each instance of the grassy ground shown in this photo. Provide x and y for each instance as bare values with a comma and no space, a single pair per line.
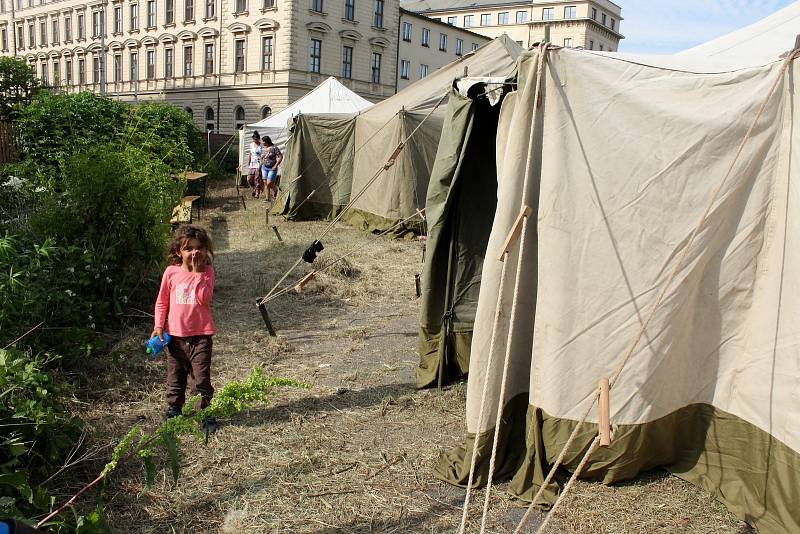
355,452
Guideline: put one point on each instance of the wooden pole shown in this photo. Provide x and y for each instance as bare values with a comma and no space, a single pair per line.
264,315
277,233
513,235
605,416
304,281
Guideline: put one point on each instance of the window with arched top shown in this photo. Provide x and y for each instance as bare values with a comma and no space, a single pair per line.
210,122
266,111
188,110
238,118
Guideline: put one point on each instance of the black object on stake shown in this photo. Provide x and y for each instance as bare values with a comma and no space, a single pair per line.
311,252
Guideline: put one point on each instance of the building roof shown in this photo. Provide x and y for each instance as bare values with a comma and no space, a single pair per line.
479,36
422,6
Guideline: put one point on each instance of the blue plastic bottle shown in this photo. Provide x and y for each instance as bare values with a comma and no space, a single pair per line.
155,345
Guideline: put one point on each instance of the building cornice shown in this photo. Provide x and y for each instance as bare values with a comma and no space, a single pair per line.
420,16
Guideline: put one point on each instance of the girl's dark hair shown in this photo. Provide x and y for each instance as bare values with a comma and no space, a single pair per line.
255,135
267,140
182,235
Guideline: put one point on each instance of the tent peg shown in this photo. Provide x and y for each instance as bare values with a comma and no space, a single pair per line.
242,199
516,230
262,307
605,416
418,285
298,288
277,233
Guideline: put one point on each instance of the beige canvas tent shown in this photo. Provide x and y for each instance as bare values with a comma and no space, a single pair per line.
663,227
398,192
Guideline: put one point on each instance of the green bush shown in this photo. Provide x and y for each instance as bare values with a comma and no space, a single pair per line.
165,131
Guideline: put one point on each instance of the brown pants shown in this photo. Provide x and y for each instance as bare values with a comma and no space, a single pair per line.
189,359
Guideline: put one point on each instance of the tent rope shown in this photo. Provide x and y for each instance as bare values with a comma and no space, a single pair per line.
679,264
344,256
363,190
497,313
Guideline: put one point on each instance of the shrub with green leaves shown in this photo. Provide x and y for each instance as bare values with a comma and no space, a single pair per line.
166,132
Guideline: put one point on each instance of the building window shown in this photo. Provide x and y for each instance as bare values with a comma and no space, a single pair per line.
43,32
56,34
95,69
426,37
376,67
459,46
31,35
188,10
189,111
134,66
43,72
603,19
134,17
210,120
347,62
95,23
151,13
151,64
187,61
209,59
241,6
349,9
443,42
522,17
469,21
117,68
567,42
570,12
423,71
56,73
613,24
68,68
238,118
4,38
407,31
210,6
238,55
404,64
591,45
486,19
378,23
169,12
268,4
474,46
548,13
168,62
118,19
315,55
451,21
81,71
266,111
316,5
502,18
601,47
266,53
67,29
594,13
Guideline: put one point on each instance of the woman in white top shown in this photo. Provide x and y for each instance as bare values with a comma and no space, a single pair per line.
254,168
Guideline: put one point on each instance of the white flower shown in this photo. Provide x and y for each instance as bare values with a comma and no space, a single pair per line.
40,189
92,326
14,183
108,279
71,269
69,292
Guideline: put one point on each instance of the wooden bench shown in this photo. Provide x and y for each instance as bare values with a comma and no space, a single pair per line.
182,213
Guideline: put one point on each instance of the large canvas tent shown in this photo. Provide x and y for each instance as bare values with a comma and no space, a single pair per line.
419,110
329,97
663,228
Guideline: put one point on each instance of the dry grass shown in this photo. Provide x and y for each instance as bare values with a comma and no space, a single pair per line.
355,452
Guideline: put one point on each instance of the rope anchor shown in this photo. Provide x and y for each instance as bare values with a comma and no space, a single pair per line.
311,252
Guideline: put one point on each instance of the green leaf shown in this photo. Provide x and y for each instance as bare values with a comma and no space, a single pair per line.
171,445
149,472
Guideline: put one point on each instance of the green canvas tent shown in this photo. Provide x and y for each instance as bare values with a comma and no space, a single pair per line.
663,199
416,112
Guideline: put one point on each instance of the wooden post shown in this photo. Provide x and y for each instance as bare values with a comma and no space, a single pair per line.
304,281
266,216
243,204
513,235
277,233
605,416
264,315
418,285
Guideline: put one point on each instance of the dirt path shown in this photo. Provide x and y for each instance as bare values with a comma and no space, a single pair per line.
355,451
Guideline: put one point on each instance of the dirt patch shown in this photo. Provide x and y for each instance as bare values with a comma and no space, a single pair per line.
355,452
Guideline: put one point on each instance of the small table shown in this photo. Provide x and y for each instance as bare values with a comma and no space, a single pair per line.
195,186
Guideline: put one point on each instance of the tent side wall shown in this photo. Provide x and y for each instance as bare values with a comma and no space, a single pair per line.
619,179
460,208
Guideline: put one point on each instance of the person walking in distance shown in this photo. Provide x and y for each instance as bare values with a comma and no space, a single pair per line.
271,159
254,168
183,308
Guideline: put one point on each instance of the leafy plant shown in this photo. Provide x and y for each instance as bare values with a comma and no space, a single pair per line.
18,84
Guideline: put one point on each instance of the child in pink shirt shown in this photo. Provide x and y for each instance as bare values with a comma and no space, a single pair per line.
183,306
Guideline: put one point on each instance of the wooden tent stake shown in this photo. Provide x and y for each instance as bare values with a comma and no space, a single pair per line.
277,233
304,281
605,416
394,155
264,315
513,235
243,204
418,285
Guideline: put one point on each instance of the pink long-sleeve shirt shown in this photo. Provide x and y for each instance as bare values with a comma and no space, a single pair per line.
184,302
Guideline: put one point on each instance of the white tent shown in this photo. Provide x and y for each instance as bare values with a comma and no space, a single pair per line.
328,97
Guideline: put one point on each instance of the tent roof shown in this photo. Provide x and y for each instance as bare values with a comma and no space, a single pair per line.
494,59
329,96
753,46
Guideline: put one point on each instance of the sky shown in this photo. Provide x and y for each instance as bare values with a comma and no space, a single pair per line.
669,26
